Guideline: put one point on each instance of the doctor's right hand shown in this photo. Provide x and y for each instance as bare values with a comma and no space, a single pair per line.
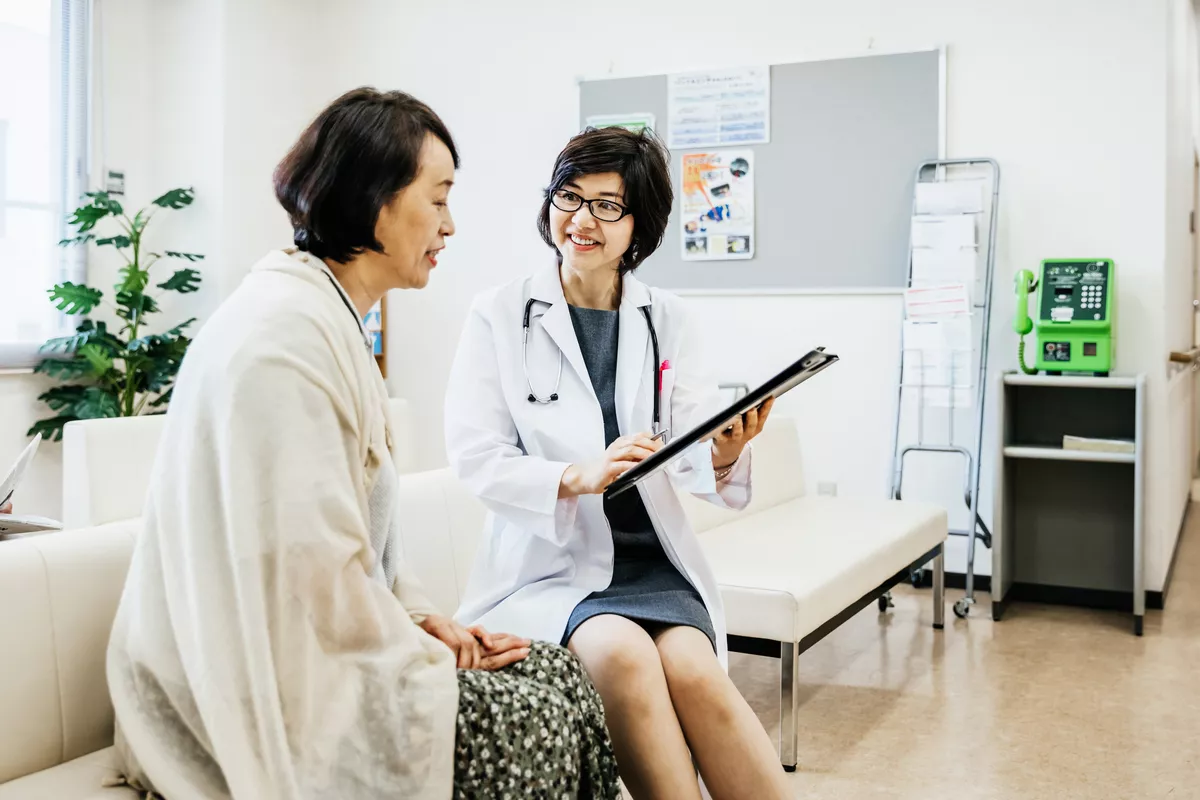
596,476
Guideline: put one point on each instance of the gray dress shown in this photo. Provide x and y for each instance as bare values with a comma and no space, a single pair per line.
646,587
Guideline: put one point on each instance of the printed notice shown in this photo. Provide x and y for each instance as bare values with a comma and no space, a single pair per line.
719,108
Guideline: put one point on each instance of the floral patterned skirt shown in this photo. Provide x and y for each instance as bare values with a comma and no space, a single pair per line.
533,730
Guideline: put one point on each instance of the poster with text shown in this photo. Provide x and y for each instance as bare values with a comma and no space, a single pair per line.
719,108
718,205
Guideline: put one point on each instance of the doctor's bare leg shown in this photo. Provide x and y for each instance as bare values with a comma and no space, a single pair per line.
627,670
731,747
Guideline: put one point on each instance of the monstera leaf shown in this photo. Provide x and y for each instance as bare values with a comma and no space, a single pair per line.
184,281
64,369
123,371
133,279
75,298
86,217
176,198
115,241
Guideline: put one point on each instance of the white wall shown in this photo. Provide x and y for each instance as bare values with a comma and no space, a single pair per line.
1174,448
1070,97
278,75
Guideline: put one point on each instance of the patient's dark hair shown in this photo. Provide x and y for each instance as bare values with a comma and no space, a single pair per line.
644,166
348,164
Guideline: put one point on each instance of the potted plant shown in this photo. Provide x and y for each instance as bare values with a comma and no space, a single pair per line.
122,372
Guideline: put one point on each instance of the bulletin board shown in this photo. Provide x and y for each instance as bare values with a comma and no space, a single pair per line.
833,186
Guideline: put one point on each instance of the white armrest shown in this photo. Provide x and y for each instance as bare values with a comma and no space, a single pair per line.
107,464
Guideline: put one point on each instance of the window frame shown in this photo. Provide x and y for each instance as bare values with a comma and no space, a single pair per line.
72,87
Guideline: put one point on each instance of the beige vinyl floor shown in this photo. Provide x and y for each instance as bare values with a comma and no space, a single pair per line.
1051,702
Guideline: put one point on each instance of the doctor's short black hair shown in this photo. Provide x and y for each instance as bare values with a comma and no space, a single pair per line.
348,164
643,163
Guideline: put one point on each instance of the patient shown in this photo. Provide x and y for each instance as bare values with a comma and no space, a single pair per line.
271,641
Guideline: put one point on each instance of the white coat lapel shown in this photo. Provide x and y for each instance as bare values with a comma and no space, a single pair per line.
556,321
634,354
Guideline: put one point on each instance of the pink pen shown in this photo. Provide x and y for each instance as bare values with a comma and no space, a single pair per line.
666,365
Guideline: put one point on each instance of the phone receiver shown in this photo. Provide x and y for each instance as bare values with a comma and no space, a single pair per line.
1022,324
1025,283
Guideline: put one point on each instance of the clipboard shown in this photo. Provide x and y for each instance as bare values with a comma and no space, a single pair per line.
9,485
798,372
22,523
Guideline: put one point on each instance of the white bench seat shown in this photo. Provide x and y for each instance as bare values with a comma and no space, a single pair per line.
787,570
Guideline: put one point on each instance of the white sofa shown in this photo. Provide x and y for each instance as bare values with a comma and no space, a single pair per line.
791,568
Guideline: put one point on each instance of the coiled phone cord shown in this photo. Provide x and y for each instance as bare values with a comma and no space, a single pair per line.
1021,357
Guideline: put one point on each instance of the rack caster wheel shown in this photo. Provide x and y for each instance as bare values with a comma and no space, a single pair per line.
916,577
961,609
885,602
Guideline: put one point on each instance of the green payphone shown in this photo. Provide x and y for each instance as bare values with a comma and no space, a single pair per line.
1074,315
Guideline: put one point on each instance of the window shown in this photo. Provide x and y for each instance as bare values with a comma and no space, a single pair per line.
43,164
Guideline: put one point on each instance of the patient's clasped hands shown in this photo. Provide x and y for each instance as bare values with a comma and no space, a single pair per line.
474,647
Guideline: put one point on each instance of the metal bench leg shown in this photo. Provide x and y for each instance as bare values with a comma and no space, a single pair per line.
939,588
788,696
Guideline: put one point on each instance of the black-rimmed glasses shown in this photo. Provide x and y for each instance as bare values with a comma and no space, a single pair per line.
603,210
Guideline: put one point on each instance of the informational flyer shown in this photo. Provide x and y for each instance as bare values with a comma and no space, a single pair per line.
632,122
719,108
718,205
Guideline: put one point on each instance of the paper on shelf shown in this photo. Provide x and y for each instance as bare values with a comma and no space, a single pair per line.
1099,445
943,231
950,197
940,267
957,333
937,360
936,301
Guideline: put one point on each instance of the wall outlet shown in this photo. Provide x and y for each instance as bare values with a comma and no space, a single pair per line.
827,488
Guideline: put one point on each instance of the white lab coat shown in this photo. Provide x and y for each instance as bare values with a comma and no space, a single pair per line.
541,555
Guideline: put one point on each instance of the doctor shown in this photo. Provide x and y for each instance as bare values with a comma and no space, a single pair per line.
560,382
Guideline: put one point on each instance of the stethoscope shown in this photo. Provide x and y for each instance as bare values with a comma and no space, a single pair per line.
534,397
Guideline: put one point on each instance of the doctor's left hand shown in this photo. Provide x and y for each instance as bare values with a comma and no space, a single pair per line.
729,444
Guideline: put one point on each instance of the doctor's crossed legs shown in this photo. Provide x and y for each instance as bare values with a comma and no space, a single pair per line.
563,381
